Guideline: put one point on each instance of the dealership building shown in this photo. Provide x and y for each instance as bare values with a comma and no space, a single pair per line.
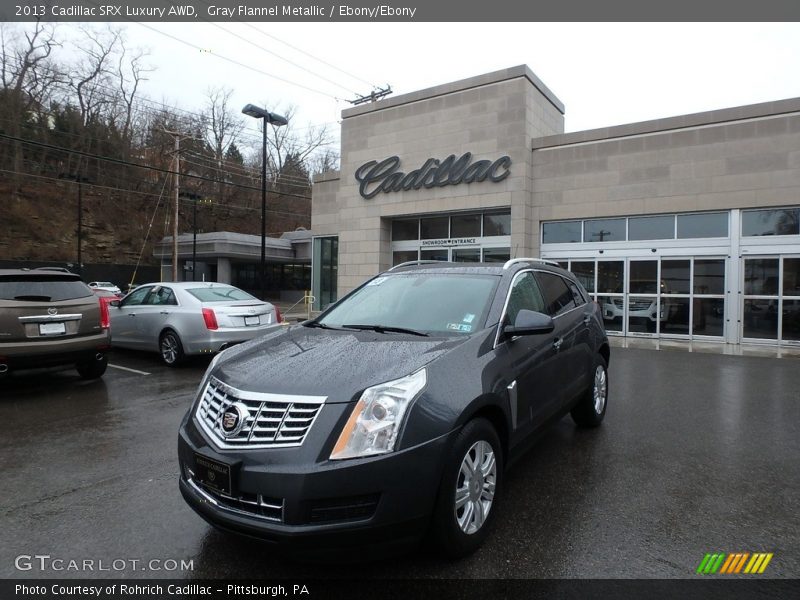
685,227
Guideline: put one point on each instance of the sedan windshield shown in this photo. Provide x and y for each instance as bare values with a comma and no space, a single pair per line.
416,302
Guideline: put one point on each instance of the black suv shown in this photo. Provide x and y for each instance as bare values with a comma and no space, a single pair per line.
396,410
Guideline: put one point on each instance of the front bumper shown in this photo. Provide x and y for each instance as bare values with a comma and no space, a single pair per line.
324,503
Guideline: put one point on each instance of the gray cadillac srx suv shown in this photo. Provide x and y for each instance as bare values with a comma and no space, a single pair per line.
395,412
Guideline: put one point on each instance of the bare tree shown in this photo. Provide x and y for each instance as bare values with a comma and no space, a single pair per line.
27,79
223,129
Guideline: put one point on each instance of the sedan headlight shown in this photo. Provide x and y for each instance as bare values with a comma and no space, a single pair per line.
377,417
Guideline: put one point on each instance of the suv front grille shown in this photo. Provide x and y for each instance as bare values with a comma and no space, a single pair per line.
271,420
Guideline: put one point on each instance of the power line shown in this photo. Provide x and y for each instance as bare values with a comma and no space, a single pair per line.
240,64
286,60
148,194
132,164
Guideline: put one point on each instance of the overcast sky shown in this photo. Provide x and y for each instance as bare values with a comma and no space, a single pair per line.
605,74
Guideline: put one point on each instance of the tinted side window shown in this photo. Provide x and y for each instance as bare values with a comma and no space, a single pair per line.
557,295
161,296
136,297
577,293
525,294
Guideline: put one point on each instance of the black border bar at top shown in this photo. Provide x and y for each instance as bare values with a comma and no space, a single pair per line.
400,11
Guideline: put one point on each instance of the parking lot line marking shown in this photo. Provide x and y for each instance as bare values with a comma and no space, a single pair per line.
127,369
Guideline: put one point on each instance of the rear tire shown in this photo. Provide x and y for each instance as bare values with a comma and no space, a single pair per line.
591,408
92,369
470,483
171,349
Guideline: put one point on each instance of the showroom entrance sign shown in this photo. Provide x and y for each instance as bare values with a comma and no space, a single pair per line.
385,176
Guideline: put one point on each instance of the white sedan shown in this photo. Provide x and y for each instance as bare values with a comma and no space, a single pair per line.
178,319
106,286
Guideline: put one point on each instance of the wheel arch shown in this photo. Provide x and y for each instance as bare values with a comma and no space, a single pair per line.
490,407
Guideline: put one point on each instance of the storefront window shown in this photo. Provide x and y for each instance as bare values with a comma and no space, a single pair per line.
492,255
465,226
561,232
761,277
467,255
584,271
675,276
709,276
434,228
402,256
610,276
706,225
497,224
781,221
604,230
661,227
405,229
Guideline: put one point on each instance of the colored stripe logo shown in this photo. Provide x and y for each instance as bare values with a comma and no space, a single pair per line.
734,563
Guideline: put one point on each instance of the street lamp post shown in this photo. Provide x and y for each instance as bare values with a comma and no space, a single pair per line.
276,120
79,179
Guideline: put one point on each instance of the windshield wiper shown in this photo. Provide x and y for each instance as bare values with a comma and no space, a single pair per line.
320,325
387,329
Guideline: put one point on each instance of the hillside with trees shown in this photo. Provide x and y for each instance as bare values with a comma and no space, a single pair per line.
84,121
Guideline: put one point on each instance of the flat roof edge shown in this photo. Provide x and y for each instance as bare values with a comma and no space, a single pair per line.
712,117
457,86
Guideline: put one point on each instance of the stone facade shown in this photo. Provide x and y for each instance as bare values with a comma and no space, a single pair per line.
490,116
746,157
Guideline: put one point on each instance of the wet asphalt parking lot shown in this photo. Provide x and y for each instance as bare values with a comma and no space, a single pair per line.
698,453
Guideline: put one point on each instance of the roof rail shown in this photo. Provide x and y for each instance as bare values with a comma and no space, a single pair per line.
416,262
515,261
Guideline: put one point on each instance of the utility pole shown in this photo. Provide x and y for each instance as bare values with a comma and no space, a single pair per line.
177,201
177,151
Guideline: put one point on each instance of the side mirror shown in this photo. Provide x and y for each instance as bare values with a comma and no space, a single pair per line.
114,303
529,322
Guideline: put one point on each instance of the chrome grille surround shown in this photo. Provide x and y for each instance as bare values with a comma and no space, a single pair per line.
272,420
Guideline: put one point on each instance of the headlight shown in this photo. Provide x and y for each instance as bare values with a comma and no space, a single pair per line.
377,417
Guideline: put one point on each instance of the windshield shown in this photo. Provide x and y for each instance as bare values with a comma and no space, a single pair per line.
429,302
219,293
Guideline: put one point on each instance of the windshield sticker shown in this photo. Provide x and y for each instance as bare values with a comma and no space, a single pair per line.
468,318
459,327
377,281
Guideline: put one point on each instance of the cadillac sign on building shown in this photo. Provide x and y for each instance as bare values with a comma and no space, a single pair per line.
385,176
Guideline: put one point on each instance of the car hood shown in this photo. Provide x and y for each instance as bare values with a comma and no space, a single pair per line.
318,362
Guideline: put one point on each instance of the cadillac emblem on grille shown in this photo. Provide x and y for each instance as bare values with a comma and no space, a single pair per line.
233,419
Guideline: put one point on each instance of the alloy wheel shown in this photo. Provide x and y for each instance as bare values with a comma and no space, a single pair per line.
475,487
600,389
169,348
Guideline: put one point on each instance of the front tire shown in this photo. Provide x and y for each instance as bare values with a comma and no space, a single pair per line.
470,483
171,349
591,408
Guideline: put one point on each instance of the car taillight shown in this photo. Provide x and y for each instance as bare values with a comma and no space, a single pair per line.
105,321
210,318
278,317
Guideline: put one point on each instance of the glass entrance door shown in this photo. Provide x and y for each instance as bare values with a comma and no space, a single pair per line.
771,299
644,310
672,297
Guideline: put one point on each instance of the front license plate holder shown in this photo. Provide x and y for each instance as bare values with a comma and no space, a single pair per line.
214,474
52,329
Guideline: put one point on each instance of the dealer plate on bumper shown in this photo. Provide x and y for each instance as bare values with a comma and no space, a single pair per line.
252,321
213,473
52,329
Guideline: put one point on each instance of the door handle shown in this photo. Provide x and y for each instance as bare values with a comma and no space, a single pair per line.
131,314
164,312
557,343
